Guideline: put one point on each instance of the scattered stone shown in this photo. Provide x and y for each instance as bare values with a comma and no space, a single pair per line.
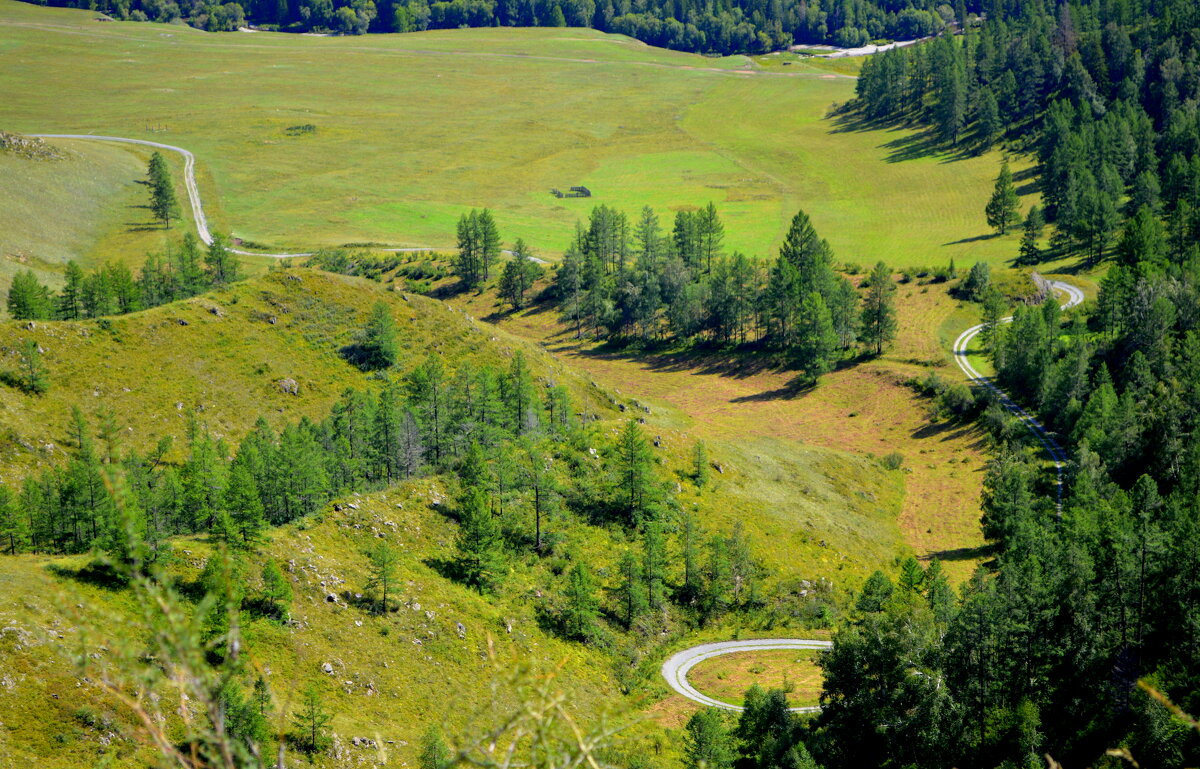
288,386
181,321
461,629
30,326
331,598
29,147
327,668
363,742
719,468
658,441
216,311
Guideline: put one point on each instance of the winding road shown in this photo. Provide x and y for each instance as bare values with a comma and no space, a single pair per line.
676,668
961,346
193,192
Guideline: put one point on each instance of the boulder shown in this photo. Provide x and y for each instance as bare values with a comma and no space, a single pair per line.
288,386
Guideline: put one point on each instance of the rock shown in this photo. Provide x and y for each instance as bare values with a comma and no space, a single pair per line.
351,505
363,742
658,441
719,468
327,668
272,320
331,598
621,406
181,321
30,326
461,629
216,311
641,420
288,386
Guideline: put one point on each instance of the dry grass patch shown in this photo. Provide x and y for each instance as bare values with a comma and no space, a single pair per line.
728,676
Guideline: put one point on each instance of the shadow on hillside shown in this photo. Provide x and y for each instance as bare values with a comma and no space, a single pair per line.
962,553
94,573
919,142
974,239
952,431
725,363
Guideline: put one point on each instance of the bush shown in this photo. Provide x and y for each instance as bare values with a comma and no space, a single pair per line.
893,461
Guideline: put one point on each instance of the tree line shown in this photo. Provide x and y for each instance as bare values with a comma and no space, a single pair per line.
639,283
716,26
113,289
1080,635
1102,94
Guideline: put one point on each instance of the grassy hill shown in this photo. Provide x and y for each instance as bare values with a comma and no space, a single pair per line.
409,131
810,513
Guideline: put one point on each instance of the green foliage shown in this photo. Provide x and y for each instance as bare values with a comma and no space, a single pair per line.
879,310
311,721
378,346
708,744
382,560
701,471
27,298
434,753
33,376
518,276
582,606
163,202
480,557
1002,207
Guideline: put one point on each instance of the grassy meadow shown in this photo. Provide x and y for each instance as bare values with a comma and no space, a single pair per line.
727,677
412,130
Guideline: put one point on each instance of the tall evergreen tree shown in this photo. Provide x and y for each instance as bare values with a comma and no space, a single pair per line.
879,311
1002,208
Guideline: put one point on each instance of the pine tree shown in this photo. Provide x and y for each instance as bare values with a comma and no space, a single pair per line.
434,753
518,276
632,590
244,503
711,235
163,202
654,564
875,593
817,342
276,590
382,561
582,609
14,529
632,469
707,742
879,310
378,347
220,262
70,301
700,468
1001,210
27,298
34,376
1030,254
489,242
989,125
312,721
480,559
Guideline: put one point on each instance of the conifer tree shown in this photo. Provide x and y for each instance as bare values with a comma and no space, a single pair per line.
244,504
480,558
1002,208
707,742
1030,254
382,561
582,607
378,347
632,590
312,721
35,377
163,203
434,753
700,468
632,468
654,564
27,298
276,589
879,310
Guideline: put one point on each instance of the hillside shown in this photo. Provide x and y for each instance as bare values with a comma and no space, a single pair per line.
809,513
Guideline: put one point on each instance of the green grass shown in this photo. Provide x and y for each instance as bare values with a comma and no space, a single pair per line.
411,130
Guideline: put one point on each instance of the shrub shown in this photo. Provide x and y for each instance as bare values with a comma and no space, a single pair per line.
893,461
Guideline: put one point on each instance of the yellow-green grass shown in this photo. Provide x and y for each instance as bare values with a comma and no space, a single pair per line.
393,675
222,355
728,676
412,130
87,207
794,448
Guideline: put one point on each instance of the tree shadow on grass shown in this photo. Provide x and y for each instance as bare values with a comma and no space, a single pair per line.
962,553
917,141
94,573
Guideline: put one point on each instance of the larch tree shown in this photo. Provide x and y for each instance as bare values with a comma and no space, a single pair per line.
382,562
879,309
1001,209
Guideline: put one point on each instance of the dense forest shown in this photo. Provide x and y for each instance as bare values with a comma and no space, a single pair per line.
720,26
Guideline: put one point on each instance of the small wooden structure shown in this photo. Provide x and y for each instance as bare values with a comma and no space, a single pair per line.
574,192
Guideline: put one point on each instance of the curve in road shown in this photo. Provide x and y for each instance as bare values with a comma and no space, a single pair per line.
193,192
676,668
1057,454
